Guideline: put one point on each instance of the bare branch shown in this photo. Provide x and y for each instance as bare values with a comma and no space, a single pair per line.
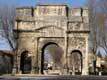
7,14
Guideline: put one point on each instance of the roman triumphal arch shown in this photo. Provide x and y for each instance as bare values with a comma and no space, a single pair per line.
51,38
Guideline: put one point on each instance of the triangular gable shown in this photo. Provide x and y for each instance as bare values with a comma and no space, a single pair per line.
47,27
51,31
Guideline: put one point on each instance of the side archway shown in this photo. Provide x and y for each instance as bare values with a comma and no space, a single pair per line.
76,62
25,62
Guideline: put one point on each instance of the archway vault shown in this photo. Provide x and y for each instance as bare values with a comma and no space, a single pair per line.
25,62
75,62
53,50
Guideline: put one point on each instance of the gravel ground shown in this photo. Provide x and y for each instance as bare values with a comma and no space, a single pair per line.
54,78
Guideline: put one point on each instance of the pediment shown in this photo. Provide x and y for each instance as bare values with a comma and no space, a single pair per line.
51,31
49,27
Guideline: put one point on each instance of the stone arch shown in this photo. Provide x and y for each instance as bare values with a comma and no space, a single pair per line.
76,62
43,53
25,62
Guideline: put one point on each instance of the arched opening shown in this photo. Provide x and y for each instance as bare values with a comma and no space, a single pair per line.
25,63
51,58
76,62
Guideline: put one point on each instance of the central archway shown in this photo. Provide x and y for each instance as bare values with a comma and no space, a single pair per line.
76,62
25,63
51,57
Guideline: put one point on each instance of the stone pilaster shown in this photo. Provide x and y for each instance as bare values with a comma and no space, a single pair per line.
34,57
85,60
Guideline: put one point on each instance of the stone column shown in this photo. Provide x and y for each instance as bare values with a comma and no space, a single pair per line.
16,68
87,47
34,57
69,64
38,55
18,63
65,55
39,62
85,60
73,71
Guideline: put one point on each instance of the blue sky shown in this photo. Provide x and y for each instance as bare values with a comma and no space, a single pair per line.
81,3
3,43
33,2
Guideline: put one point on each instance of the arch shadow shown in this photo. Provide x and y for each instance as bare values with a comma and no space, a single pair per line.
81,60
42,54
25,62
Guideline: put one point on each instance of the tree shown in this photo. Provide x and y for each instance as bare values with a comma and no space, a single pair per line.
93,24
98,25
98,18
103,21
7,16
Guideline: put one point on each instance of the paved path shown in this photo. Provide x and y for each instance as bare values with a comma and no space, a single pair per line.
53,78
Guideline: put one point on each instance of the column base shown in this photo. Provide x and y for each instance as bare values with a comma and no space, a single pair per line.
84,73
65,72
32,71
73,73
14,71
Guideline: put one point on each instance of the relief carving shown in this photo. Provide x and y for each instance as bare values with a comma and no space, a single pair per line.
77,42
75,26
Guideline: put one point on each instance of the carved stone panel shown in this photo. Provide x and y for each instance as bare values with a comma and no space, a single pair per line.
75,26
78,26
77,43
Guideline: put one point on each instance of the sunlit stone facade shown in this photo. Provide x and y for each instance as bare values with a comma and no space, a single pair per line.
47,23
